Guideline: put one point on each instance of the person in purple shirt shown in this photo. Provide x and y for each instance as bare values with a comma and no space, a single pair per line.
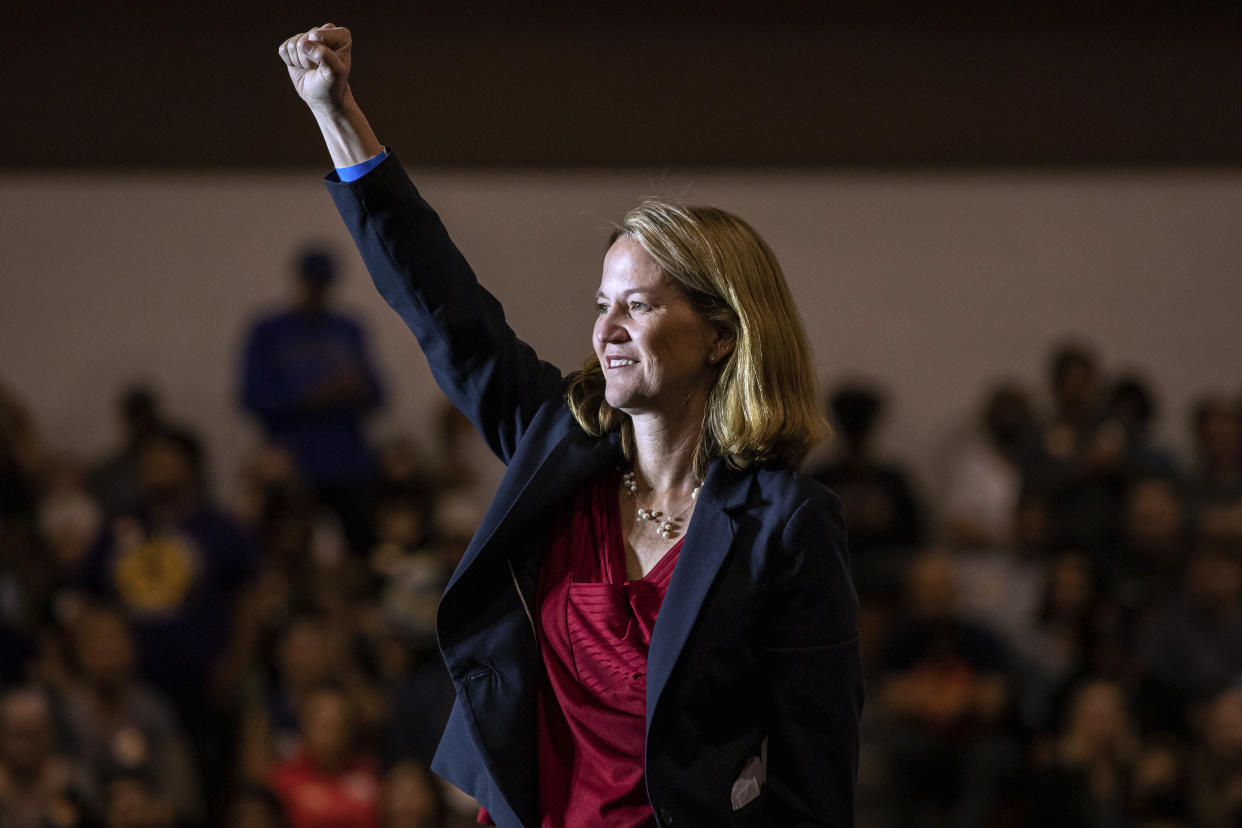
308,377
175,569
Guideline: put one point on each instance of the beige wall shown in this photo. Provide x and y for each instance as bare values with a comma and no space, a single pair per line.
935,283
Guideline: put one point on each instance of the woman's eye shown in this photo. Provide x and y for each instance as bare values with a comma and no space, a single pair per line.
638,306
601,308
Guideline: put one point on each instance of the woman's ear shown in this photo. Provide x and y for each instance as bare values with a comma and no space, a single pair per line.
726,339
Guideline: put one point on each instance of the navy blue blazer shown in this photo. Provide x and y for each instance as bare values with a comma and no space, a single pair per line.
756,639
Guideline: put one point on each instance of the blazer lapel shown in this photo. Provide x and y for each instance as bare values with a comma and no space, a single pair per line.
708,539
538,481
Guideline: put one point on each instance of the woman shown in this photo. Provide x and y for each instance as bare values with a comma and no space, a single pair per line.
656,481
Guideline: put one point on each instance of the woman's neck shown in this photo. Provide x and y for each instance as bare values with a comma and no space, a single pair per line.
664,451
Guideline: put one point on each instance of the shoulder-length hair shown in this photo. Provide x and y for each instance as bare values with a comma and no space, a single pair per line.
762,406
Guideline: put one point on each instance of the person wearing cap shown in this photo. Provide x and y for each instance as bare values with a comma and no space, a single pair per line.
309,379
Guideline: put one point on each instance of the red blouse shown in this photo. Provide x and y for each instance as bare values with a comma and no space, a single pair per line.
594,631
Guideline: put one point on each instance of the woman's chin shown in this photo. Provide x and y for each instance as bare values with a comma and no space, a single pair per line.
634,402
624,402
617,401
617,395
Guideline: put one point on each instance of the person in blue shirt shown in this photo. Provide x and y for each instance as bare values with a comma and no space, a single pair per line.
310,380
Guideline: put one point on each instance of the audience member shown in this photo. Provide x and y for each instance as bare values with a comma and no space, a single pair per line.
1155,536
269,470
1216,490
255,806
985,475
176,567
412,798
133,801
1159,796
309,651
405,478
122,728
421,698
1073,379
1085,490
309,378
1130,412
329,782
1216,783
883,514
1070,636
69,520
1080,460
946,684
38,785
1086,783
1191,646
116,482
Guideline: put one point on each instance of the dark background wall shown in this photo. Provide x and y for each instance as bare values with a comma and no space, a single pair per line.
490,82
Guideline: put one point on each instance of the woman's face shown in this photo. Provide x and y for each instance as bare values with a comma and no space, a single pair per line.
652,343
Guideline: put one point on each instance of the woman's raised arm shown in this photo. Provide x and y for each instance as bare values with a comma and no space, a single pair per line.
494,378
319,62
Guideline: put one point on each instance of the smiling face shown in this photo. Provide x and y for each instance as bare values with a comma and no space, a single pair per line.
656,349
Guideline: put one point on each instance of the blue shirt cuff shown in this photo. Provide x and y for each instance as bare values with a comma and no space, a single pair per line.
356,171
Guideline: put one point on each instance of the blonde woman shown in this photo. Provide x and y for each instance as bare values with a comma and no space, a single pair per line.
658,482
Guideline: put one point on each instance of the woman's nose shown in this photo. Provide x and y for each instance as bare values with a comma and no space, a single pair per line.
608,327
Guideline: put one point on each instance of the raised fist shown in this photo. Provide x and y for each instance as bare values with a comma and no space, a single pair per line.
318,63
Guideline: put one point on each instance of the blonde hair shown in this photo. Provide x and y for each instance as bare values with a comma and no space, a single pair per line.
762,405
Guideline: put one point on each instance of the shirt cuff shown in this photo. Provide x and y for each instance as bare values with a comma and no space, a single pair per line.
356,171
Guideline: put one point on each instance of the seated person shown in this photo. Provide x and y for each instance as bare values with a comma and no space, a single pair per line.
329,782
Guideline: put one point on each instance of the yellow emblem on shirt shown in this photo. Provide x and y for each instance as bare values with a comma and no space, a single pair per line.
156,575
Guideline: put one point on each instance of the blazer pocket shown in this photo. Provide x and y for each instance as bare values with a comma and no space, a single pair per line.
748,606
748,786
811,649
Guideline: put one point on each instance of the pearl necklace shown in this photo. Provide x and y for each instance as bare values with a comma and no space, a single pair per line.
666,527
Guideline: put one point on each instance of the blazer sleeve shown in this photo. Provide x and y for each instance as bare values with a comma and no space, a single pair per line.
493,377
814,672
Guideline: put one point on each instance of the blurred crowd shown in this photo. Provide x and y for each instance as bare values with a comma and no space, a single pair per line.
167,661
1051,629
